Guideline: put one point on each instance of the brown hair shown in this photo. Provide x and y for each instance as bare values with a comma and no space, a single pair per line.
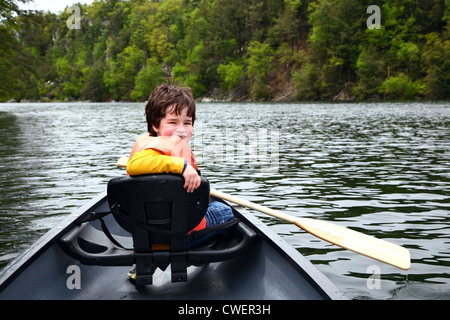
164,96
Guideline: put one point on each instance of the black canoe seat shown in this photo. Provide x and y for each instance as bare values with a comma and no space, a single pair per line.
158,213
161,204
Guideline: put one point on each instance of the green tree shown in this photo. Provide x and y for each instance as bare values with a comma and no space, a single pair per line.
231,74
307,82
119,78
18,58
337,28
436,66
401,87
287,25
94,88
147,79
371,72
259,65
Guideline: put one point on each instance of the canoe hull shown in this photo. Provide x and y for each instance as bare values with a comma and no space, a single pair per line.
270,270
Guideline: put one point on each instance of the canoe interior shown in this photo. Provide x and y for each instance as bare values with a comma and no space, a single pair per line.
271,269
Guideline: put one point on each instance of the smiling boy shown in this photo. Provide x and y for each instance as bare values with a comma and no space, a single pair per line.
170,115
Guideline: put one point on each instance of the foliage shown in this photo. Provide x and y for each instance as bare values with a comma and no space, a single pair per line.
255,49
436,66
259,64
147,79
230,74
401,87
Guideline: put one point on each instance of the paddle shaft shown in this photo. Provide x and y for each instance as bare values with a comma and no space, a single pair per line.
251,205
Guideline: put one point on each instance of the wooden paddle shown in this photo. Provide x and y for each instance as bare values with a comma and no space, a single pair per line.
346,238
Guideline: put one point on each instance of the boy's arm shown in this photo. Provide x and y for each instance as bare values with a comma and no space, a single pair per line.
151,161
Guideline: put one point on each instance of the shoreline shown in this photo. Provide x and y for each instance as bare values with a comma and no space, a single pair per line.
216,100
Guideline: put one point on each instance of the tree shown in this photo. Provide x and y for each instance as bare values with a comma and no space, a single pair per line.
287,25
259,64
119,78
16,62
147,79
401,87
93,85
436,66
371,72
307,82
230,74
337,28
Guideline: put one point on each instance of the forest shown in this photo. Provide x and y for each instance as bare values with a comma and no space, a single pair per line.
233,50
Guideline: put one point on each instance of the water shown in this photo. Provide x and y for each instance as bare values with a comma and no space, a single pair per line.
379,168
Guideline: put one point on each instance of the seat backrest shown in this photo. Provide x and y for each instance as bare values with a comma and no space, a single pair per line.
160,202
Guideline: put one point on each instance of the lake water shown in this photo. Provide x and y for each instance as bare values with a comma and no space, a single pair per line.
379,168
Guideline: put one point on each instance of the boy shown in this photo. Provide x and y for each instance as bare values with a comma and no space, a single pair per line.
170,115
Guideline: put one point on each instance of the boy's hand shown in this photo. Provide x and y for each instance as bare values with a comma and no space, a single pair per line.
191,179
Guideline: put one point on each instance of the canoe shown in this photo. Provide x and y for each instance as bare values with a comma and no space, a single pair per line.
76,260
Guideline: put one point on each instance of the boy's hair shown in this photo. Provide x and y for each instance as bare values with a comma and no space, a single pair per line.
168,95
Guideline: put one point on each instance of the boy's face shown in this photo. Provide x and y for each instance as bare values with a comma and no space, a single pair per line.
173,124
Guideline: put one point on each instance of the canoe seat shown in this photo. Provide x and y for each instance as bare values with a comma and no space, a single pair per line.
159,214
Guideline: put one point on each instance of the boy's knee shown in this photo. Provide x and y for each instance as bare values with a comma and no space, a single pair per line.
221,212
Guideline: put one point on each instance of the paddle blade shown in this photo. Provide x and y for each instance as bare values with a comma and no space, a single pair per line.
358,242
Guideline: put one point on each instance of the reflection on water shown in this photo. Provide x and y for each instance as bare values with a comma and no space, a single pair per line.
379,168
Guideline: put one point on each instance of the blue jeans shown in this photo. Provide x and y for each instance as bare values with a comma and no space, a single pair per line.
217,213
